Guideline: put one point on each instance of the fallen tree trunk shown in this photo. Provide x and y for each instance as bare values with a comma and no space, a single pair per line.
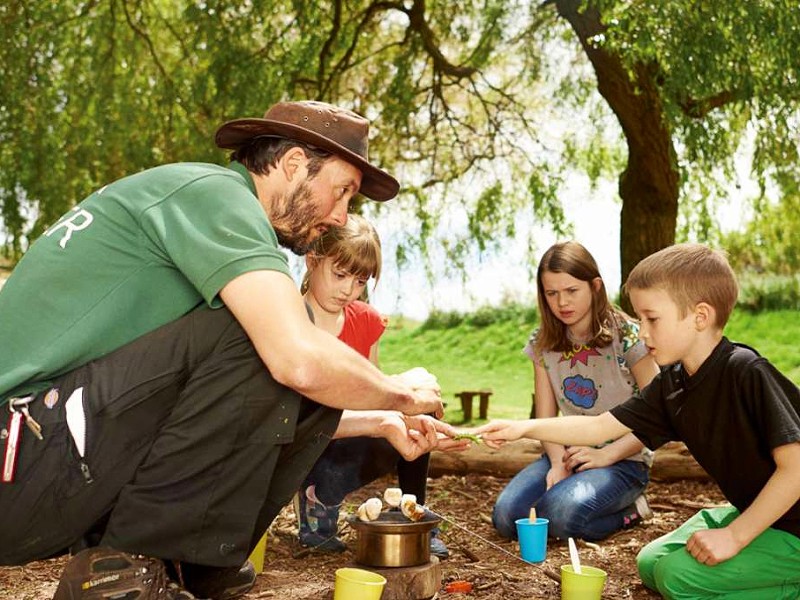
672,461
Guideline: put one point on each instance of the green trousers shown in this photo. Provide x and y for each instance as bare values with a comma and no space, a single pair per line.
768,568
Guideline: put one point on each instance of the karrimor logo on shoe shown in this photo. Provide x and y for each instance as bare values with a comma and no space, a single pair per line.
87,585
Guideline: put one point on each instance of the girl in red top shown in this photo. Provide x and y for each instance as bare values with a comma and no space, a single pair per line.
339,266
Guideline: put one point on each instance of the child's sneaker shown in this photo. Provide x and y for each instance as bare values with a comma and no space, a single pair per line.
317,525
437,546
643,508
638,512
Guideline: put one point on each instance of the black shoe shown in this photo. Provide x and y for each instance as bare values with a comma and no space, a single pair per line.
105,573
321,543
218,583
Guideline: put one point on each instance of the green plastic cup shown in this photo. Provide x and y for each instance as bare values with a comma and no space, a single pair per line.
358,584
586,586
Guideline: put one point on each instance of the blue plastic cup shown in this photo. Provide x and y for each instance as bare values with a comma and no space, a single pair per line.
532,539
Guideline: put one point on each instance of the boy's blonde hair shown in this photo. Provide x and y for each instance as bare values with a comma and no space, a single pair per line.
354,247
689,274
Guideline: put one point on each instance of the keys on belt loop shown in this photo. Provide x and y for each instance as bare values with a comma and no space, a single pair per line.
12,445
19,414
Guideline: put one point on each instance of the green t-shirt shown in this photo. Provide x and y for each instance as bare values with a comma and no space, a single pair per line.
135,255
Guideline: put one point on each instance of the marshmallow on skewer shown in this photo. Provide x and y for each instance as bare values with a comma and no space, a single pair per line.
370,510
393,497
410,508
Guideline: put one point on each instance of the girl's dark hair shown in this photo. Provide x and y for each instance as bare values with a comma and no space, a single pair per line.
575,260
263,152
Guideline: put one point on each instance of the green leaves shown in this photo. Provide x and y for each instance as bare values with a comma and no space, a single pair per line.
464,97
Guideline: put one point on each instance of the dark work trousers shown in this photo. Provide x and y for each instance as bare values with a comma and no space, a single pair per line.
351,463
192,449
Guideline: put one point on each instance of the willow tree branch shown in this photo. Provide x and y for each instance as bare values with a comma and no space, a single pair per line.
416,15
325,53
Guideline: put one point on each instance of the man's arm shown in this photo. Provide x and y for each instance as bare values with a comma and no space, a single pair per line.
570,431
778,495
308,359
412,436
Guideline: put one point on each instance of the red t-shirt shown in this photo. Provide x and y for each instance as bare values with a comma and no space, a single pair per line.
363,326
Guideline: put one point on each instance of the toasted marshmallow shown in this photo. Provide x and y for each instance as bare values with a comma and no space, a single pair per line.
410,508
370,510
393,497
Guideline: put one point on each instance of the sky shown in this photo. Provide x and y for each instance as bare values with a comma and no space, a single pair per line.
503,275
500,276
594,213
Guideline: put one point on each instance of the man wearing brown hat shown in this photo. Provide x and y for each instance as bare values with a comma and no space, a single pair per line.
136,332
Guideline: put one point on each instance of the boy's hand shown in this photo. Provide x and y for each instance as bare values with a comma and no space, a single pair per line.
583,458
713,546
496,433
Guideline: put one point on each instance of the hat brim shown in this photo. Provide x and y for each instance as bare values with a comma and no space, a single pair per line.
376,183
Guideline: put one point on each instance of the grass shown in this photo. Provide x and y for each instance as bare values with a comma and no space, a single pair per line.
468,357
775,334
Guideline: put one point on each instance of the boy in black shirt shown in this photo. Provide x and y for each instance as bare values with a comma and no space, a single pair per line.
737,414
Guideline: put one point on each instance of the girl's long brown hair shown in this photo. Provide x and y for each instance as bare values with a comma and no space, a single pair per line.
572,258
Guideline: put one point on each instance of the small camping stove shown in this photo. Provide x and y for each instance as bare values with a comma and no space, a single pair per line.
401,550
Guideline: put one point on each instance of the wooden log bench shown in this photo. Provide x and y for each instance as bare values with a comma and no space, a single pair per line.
466,403
672,461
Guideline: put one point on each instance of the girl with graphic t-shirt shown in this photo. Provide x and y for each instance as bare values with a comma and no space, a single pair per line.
586,359
339,266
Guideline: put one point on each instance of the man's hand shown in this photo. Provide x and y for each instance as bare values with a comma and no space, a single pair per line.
583,458
419,378
413,436
426,402
428,394
713,546
496,433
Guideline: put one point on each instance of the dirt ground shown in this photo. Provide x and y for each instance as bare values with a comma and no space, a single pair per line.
291,572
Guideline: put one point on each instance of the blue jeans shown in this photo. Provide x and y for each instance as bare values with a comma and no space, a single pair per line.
590,505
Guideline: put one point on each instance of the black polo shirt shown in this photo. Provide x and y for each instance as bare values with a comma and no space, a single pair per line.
730,414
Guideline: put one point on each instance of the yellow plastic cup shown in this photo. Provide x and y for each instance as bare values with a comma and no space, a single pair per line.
358,584
257,555
586,586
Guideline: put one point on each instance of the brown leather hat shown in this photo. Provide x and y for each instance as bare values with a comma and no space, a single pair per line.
323,125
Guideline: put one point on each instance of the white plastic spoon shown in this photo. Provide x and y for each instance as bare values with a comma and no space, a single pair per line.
573,556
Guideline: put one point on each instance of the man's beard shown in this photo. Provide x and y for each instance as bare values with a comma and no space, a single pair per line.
294,219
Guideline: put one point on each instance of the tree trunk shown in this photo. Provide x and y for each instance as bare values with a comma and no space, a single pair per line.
672,461
649,185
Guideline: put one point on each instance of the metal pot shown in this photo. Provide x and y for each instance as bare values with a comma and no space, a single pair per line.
393,540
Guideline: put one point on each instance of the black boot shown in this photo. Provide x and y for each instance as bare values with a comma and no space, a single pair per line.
318,525
218,583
